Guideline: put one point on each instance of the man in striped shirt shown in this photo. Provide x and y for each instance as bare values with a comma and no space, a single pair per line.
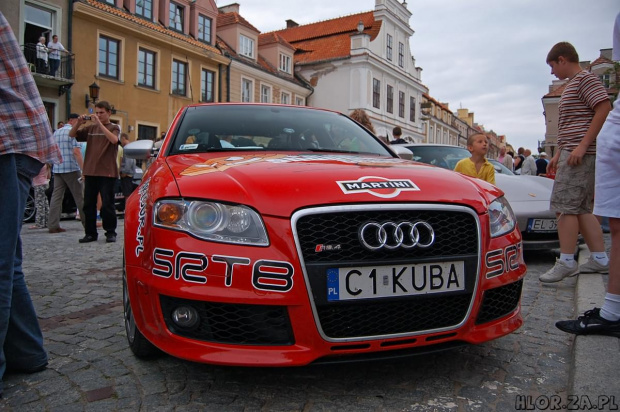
583,108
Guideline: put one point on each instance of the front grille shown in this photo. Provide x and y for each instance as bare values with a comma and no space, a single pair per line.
455,234
456,238
499,302
232,323
387,317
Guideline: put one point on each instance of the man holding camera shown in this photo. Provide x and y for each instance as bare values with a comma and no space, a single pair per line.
100,169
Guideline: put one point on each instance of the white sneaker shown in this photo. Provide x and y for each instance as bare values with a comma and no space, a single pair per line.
558,272
592,266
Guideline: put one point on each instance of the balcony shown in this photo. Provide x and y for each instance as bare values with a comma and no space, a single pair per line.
62,78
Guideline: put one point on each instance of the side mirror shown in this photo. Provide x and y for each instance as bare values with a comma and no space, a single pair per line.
140,149
402,152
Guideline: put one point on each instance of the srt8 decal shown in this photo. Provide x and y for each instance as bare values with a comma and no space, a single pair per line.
502,261
267,275
143,192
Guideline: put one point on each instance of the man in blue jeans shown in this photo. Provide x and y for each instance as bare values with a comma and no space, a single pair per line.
26,143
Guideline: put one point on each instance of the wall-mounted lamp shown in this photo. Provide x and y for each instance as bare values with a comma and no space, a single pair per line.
93,94
360,26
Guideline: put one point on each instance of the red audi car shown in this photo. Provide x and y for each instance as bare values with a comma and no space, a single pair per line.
276,235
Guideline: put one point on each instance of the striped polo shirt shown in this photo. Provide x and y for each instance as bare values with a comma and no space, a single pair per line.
582,93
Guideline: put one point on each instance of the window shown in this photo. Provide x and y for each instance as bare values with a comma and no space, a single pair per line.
109,50
285,98
144,8
265,94
176,17
389,47
285,63
179,78
605,79
204,29
246,46
146,68
412,109
207,78
146,132
110,2
299,101
390,99
401,104
246,90
401,54
376,93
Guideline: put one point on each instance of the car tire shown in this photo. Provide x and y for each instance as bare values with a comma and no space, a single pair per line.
30,210
139,345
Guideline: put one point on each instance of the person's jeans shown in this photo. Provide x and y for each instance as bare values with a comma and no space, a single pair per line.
21,340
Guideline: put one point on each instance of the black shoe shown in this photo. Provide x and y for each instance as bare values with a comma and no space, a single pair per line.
40,368
110,239
88,238
590,323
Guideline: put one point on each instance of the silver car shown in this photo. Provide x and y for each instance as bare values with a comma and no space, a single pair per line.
528,195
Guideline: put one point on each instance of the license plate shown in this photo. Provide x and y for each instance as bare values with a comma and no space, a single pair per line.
542,225
371,282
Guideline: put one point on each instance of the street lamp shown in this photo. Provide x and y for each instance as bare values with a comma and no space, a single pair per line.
93,94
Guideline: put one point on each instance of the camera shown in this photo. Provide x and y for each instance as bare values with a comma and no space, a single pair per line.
86,117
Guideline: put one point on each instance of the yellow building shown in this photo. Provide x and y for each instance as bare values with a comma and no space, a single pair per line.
149,58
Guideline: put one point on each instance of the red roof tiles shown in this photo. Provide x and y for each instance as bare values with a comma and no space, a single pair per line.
225,19
329,39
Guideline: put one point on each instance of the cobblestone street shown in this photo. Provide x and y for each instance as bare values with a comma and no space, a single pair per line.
77,292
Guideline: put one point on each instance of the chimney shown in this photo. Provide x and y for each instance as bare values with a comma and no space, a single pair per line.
607,53
231,8
290,24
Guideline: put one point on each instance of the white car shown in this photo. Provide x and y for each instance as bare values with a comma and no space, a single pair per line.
528,195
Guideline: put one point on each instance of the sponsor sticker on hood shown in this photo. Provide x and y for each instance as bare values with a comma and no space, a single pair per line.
377,186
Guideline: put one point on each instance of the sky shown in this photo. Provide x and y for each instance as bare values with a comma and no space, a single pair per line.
484,55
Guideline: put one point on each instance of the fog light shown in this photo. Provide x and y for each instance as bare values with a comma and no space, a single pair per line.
185,317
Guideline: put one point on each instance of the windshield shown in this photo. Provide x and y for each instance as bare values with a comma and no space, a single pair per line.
225,127
442,156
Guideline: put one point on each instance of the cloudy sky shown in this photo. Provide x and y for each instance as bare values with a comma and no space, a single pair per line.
484,55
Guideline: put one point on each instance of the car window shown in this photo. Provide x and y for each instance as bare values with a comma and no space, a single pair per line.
500,168
265,127
443,156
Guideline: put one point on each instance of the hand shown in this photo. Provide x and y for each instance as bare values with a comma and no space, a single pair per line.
576,156
553,164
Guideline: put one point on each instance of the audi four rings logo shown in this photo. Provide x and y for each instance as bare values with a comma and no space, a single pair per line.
390,235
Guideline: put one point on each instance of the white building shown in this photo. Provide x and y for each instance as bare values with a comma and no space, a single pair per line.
363,61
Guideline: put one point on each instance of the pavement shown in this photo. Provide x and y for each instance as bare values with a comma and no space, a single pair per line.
596,359
77,294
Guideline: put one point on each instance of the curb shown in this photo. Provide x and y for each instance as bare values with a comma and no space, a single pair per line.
595,370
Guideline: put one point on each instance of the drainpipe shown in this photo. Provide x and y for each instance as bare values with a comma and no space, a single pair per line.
69,47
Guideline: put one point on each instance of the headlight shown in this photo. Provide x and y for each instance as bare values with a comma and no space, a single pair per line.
212,221
501,217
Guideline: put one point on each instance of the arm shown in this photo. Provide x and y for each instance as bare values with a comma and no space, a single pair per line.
600,114
113,138
77,152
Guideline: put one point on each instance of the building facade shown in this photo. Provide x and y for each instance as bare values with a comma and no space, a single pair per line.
31,19
149,58
363,61
262,65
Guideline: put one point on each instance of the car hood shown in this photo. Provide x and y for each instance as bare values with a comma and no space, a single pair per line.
524,188
278,184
